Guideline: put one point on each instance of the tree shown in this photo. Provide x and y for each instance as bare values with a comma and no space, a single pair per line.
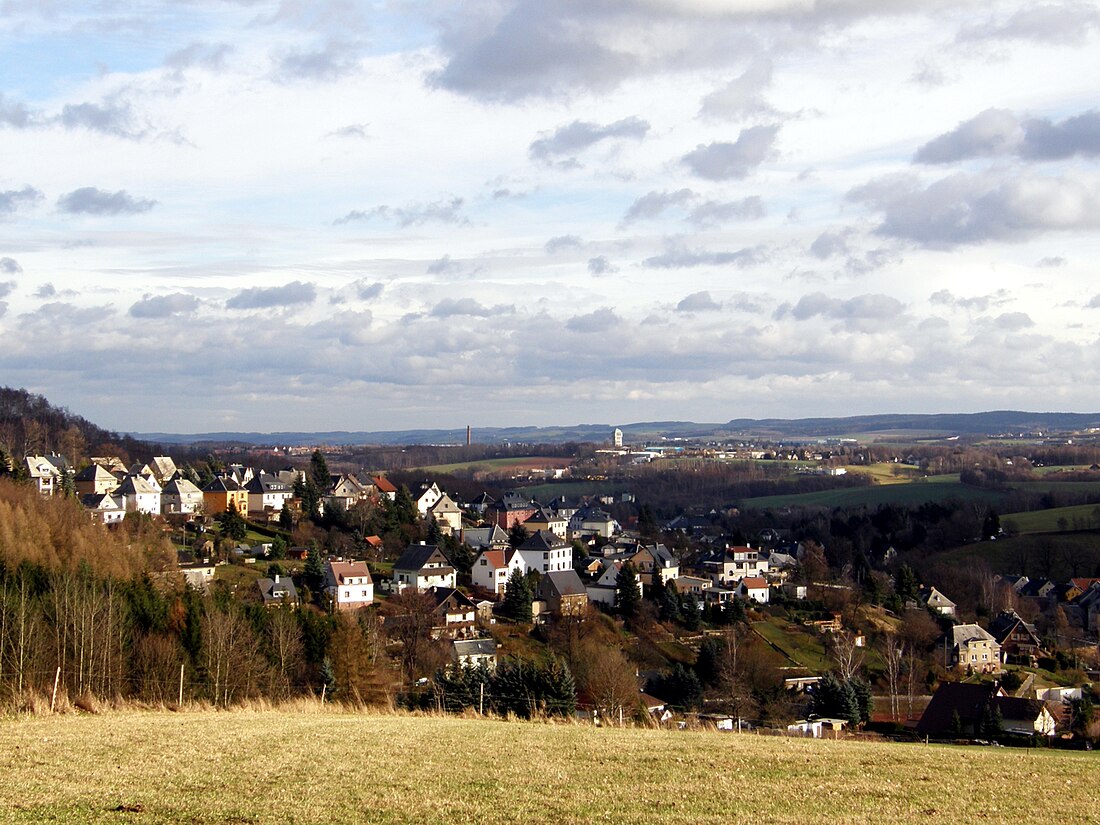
518,535
893,658
905,584
286,517
318,471
314,577
516,604
847,653
680,687
628,594
232,523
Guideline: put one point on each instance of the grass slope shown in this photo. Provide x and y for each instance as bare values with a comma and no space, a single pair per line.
1078,517
326,767
936,488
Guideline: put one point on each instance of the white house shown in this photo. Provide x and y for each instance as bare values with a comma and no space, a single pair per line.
447,515
546,553
753,589
140,495
426,496
180,496
492,568
349,583
422,566
266,492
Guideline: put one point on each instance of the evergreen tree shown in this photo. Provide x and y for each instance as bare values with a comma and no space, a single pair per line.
318,471
669,607
708,662
67,483
232,523
905,585
518,535
680,687
516,604
314,577
286,517
628,594
689,610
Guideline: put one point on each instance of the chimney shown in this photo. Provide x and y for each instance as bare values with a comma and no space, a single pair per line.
468,435
276,578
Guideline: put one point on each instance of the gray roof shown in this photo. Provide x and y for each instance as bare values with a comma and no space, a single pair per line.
417,555
563,583
475,647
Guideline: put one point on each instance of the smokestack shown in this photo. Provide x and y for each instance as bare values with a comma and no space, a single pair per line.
468,441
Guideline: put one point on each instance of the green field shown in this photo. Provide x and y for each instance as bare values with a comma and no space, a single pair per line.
796,644
313,767
492,465
1080,517
934,488
1056,557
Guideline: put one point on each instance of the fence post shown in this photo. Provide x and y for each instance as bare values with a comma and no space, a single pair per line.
53,698
180,702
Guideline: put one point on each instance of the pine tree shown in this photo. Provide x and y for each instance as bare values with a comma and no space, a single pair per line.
627,592
516,604
286,518
318,471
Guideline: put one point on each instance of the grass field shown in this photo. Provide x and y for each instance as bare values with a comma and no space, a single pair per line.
1082,516
303,767
937,488
495,465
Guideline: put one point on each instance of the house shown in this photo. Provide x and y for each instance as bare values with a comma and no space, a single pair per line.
422,566
95,479
655,560
753,589
546,553
345,491
475,653
447,515
43,474
492,568
958,708
267,493
139,495
591,521
1018,639
180,496
425,496
511,509
564,593
481,503
935,601
454,613
163,468
546,519
385,487
104,508
198,576
693,585
810,728
278,591
349,583
220,493
730,565
974,649
485,538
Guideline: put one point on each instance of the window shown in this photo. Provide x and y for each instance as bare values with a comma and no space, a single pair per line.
484,562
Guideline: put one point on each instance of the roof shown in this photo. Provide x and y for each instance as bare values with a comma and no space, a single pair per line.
964,633
383,484
273,591
513,501
448,596
417,555
475,647
97,472
135,485
484,536
1006,622
222,485
180,487
265,483
968,701
496,558
543,540
563,583
341,570
754,582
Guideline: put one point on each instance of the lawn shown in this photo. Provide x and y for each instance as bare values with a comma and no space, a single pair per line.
314,767
937,488
799,646
493,465
1079,517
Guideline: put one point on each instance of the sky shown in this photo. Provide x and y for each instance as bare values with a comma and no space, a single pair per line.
271,215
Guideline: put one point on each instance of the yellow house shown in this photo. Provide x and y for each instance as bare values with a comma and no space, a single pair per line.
220,493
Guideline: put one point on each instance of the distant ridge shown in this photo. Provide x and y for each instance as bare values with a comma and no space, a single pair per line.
943,424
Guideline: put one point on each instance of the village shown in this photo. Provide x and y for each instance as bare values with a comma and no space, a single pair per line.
702,630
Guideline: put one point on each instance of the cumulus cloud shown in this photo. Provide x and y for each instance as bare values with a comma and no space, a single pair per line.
332,61
1051,261
596,321
715,213
977,303
742,96
109,117
562,242
601,265
6,288
1060,23
204,55
14,114
368,290
47,290
733,161
698,302
830,244
654,204
970,209
92,201
869,307
677,255
444,266
292,294
352,130
450,307
164,306
10,266
1000,132
13,199
1012,321
442,211
568,140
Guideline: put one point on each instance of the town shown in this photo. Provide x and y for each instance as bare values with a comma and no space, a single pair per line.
408,588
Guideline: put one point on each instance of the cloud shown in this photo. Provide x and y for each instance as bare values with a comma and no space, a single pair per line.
108,118
971,209
13,199
869,307
352,130
92,201
1059,23
698,302
164,306
10,266
290,294
205,55
47,290
994,131
577,136
733,161
443,211
6,288
444,266
1013,321
1051,261
1000,132
562,242
336,59
601,265
830,244
450,307
596,321
742,96
653,204
14,114
678,256
714,213
1094,303
368,291
979,303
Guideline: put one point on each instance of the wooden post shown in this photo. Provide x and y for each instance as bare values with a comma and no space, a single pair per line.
56,680
481,701
323,689
179,703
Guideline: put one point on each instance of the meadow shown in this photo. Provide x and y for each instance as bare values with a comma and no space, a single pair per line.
305,766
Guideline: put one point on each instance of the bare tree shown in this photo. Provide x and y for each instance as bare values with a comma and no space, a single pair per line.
607,678
893,657
285,637
847,652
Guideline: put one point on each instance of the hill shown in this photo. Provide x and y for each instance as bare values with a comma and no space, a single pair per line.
329,767
910,426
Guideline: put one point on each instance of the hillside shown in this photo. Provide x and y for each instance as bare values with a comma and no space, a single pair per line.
314,767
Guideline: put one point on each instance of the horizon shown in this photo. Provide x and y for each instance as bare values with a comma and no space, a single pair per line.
367,217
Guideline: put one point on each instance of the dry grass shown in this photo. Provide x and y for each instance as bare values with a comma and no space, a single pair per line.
339,766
